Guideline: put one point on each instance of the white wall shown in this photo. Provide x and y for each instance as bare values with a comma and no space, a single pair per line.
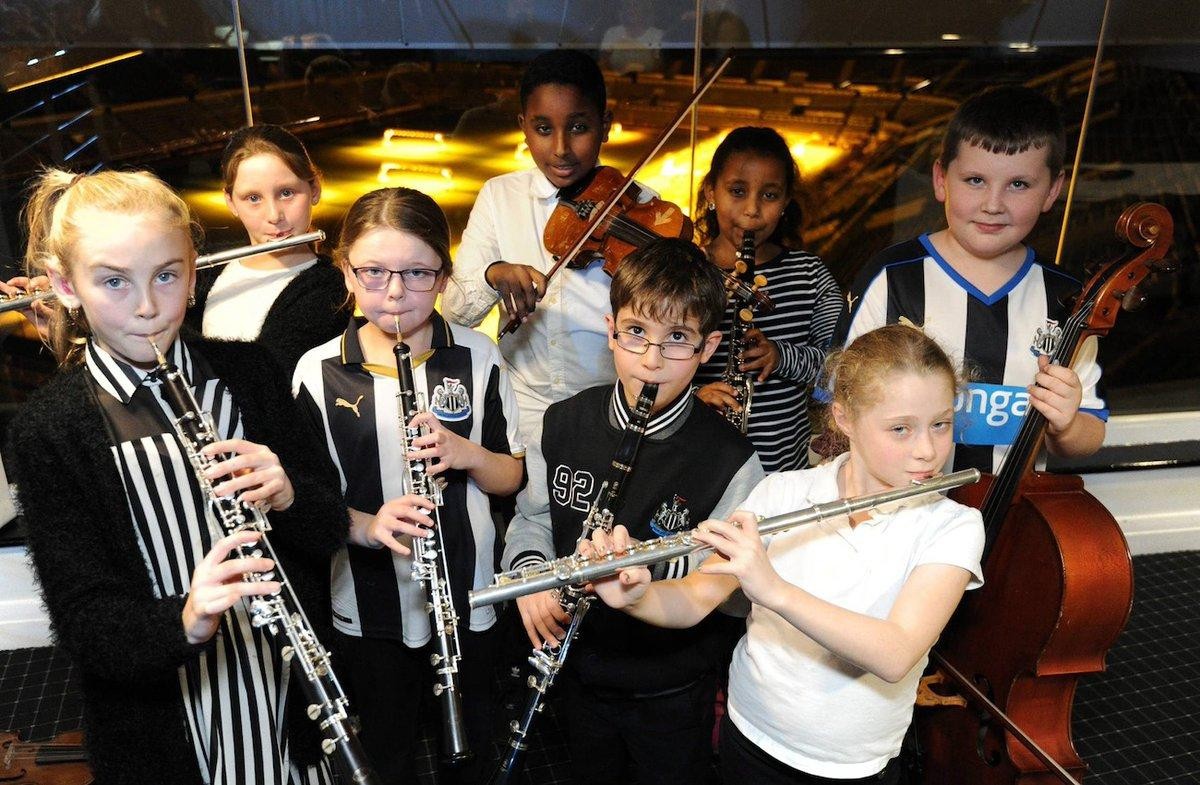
1158,509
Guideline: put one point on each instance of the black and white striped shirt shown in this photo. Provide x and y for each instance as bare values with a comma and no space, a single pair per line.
355,406
807,305
235,691
990,333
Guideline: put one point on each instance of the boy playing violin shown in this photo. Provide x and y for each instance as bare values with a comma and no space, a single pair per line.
562,348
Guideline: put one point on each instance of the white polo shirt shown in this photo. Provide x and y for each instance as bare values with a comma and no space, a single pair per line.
802,704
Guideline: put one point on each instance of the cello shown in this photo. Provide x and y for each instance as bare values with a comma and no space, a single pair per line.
60,761
1058,581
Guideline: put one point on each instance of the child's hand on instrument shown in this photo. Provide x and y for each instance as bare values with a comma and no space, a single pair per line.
761,354
519,285
441,448
253,470
743,556
39,313
719,396
1056,393
544,618
408,515
218,583
628,586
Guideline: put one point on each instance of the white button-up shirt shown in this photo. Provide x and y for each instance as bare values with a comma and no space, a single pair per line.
563,348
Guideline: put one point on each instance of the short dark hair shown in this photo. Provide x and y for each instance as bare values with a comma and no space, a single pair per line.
667,278
566,67
1007,119
761,143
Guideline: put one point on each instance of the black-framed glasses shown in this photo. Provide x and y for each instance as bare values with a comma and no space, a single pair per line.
670,350
417,279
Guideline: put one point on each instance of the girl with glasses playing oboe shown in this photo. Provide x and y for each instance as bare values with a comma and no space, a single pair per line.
395,259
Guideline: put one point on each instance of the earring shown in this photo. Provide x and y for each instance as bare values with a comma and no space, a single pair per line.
191,301
73,315
712,207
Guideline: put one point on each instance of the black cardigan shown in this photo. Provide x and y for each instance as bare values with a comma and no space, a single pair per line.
126,643
310,310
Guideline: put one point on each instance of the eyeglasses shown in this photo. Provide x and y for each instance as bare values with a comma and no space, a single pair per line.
374,279
670,350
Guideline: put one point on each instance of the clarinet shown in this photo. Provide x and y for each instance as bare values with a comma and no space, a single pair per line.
281,612
546,661
431,567
741,381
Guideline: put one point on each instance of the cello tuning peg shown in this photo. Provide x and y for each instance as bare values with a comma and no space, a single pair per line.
760,280
1134,299
746,315
739,267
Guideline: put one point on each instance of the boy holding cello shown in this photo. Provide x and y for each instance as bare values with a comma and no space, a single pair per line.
981,292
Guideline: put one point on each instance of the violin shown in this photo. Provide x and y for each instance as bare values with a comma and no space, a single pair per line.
60,761
608,197
627,227
1058,580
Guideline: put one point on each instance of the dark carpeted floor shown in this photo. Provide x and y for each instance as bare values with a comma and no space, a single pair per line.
1136,723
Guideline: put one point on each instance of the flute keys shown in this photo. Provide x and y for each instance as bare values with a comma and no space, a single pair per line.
327,746
287,652
313,711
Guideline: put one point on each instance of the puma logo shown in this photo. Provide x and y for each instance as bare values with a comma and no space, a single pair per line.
351,406
663,216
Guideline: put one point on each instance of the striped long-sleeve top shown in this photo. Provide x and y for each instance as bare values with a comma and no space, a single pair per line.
807,305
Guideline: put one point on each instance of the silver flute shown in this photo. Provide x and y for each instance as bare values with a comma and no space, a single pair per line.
577,569
281,612
19,302
431,567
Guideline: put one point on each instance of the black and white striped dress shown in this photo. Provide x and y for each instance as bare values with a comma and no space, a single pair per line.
235,691
807,305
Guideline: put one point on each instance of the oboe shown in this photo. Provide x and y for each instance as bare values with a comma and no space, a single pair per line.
19,302
547,662
431,567
281,612
578,570
741,381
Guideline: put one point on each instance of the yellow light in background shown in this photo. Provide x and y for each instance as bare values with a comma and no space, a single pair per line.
77,70
401,133
435,181
390,167
668,175
615,132
522,152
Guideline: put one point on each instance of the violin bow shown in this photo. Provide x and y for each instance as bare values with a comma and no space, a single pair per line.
604,212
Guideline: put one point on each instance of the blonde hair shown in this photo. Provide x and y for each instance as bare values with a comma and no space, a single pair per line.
857,373
53,227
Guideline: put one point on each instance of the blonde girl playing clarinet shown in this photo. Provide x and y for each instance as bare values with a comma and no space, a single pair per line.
178,686
844,612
